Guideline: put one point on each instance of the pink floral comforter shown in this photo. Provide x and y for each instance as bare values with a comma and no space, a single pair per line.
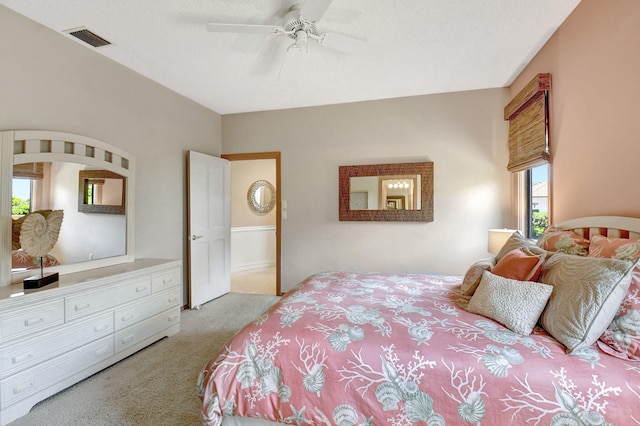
366,348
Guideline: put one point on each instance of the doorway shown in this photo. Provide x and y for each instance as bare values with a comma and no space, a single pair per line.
251,276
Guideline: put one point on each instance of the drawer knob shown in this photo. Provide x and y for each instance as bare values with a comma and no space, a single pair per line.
82,307
169,281
23,387
127,339
33,321
101,352
141,289
21,358
99,328
126,318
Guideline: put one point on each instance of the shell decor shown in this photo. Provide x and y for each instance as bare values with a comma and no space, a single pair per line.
38,234
472,409
345,415
314,380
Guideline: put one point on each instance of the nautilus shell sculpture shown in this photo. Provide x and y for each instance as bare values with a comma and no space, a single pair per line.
39,232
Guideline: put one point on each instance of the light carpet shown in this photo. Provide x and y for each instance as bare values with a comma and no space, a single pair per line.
157,385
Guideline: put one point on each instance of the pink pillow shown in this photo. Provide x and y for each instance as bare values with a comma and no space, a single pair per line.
622,337
617,248
520,264
568,242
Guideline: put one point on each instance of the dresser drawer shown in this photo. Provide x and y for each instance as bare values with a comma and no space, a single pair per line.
148,327
116,294
16,358
147,307
24,384
164,280
21,322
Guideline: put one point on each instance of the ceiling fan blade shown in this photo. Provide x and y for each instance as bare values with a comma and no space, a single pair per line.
313,10
243,28
346,44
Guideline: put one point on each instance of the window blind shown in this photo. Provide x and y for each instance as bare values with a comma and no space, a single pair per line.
528,116
28,171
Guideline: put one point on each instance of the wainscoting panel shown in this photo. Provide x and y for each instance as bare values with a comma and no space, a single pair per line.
253,247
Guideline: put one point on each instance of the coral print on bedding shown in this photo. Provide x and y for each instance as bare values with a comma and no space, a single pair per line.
399,349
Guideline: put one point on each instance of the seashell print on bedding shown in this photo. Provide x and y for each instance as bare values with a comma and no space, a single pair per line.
378,358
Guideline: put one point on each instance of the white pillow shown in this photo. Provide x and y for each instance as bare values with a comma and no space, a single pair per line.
515,304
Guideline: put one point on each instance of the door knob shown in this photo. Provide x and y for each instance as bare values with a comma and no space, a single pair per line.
195,237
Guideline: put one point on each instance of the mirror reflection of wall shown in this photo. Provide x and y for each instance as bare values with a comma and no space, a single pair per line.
104,192
399,192
83,236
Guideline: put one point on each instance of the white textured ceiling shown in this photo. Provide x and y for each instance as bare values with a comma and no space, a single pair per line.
420,46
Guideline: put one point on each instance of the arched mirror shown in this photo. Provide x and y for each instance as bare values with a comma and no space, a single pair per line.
43,170
261,197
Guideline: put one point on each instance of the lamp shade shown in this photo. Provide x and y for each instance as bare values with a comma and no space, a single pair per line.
497,238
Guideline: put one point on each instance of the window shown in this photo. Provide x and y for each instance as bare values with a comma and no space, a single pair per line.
537,200
529,155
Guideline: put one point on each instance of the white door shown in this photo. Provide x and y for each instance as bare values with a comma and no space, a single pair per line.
209,227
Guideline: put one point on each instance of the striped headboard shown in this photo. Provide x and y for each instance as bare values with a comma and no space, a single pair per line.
608,226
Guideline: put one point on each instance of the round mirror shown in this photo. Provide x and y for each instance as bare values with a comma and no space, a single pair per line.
261,197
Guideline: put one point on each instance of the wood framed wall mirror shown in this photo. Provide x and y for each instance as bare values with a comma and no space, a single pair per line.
101,191
399,192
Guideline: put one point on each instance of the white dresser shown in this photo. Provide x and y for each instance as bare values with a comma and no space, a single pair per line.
53,337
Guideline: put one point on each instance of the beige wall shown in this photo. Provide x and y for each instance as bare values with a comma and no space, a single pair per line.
243,174
464,134
595,110
50,82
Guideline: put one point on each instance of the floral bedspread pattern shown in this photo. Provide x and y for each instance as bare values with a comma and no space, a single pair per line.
347,348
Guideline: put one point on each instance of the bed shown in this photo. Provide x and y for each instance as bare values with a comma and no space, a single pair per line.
365,348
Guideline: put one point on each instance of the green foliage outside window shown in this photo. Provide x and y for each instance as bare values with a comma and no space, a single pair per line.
19,206
539,221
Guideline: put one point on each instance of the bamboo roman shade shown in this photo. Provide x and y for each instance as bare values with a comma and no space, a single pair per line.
528,116
28,171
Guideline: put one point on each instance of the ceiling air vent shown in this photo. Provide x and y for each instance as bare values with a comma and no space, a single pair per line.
88,37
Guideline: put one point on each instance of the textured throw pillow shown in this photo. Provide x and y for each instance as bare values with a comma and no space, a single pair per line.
520,264
563,241
515,304
616,248
474,275
587,293
515,241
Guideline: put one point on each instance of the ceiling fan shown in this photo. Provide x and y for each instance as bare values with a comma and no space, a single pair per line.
300,23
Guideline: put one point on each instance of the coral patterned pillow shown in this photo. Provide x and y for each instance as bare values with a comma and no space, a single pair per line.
622,338
567,242
617,248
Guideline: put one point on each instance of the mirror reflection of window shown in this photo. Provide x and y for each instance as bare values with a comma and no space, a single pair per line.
21,197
